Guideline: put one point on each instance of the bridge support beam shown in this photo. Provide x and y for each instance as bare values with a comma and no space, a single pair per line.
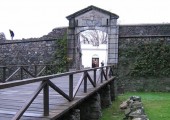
91,108
105,97
113,89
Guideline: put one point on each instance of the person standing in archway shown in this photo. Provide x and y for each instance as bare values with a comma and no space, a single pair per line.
102,64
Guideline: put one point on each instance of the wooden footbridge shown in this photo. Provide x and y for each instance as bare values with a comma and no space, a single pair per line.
49,97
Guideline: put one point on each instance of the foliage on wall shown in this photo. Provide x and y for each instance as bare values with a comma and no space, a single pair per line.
147,60
61,54
60,61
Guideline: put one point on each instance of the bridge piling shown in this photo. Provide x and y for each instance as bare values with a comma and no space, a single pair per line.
113,89
91,108
105,97
46,99
72,115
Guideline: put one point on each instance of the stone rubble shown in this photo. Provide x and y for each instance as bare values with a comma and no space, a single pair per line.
133,109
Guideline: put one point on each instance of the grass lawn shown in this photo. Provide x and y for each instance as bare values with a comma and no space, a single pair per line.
156,105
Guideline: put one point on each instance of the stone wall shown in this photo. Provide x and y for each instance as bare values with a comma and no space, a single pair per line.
30,51
41,50
131,36
144,30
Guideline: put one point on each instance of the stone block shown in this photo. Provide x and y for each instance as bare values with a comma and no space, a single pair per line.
112,61
135,98
113,51
113,22
127,111
113,39
113,46
136,105
113,30
133,109
112,55
137,112
123,105
70,31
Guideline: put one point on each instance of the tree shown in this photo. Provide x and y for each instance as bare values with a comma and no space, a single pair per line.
94,37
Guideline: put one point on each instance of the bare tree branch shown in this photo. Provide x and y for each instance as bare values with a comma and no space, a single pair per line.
94,37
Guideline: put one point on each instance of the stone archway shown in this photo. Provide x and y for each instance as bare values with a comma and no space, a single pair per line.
92,18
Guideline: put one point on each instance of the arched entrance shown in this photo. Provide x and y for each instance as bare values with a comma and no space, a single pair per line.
92,18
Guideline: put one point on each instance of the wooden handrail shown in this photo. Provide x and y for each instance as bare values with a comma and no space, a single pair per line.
28,72
78,85
41,71
57,89
21,69
28,103
90,79
13,74
46,83
41,78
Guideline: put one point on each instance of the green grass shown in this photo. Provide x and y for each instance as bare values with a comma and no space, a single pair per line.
156,105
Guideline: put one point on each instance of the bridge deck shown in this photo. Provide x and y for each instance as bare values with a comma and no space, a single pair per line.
13,98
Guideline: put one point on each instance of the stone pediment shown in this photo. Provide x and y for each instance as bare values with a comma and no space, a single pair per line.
90,8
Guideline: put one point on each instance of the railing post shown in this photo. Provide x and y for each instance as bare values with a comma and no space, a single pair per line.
21,73
35,67
46,99
71,86
107,72
101,75
46,70
95,82
110,71
4,74
85,81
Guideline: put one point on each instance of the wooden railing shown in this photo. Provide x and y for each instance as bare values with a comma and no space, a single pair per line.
19,72
105,74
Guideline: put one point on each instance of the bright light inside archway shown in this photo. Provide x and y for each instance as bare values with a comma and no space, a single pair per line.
93,42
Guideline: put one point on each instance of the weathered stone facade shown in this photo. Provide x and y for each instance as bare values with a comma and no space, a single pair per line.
131,36
30,51
92,18
144,30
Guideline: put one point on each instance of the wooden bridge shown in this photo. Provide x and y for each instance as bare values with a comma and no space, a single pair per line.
50,97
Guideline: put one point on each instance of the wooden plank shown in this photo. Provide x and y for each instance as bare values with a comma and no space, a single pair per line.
13,98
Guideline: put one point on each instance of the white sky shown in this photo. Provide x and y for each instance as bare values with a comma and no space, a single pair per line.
35,18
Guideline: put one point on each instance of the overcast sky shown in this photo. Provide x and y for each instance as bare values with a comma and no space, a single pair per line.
35,18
